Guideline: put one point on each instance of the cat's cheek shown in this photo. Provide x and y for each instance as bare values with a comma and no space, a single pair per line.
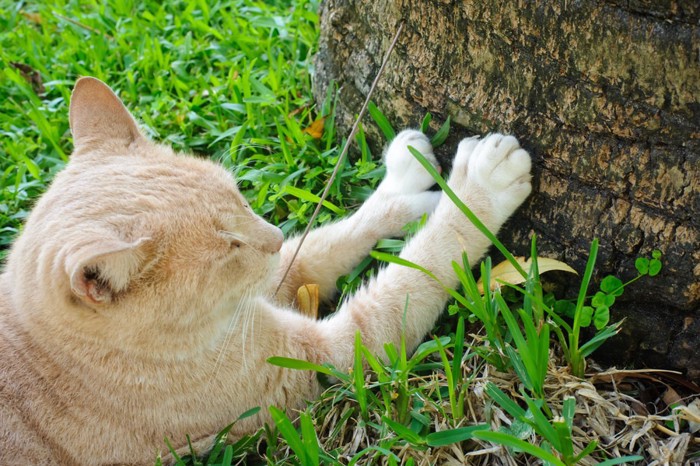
251,270
273,263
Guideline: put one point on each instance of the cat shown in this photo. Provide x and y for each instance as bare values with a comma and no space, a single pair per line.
138,303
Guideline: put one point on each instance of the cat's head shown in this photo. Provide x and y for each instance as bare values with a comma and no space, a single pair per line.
130,226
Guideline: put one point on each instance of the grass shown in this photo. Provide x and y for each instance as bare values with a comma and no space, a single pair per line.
231,81
227,80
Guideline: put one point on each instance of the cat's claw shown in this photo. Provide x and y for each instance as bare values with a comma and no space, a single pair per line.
496,166
404,173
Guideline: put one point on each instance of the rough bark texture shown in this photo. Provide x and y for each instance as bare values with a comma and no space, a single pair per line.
604,94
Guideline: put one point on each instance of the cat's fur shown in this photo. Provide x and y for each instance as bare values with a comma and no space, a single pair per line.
138,302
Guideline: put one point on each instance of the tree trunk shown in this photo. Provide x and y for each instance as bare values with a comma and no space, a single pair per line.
606,97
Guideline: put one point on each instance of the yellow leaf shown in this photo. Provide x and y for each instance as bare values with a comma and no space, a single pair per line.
505,272
315,130
307,300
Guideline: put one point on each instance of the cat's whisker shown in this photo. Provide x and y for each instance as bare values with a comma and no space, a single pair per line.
253,321
246,217
248,312
250,324
231,235
223,347
233,321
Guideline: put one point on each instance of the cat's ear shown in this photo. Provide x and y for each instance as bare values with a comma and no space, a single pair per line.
100,271
98,117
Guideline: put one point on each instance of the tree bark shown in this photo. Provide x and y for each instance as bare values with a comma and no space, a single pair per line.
606,97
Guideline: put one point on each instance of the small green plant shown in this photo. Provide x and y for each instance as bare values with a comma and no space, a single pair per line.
597,313
457,385
392,390
398,394
530,357
222,453
305,443
392,376
558,448
389,132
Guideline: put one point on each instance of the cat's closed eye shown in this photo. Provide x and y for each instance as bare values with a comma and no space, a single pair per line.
235,241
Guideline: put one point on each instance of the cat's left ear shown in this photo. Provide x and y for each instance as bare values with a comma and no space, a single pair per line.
100,271
97,117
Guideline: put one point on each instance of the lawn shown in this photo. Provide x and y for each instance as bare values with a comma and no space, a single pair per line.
502,379
226,80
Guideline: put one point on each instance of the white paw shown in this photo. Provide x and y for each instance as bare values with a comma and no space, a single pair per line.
404,174
495,167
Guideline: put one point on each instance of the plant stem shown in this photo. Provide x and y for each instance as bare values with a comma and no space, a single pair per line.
576,361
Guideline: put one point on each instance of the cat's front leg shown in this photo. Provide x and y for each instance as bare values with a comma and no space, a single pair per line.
491,176
334,250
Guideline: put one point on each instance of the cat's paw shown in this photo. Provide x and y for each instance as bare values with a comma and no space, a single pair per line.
404,173
494,171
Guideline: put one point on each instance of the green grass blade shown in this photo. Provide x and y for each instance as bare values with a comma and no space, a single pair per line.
425,349
519,367
373,362
448,437
450,379
177,458
404,432
524,359
387,453
577,361
622,459
310,197
458,351
442,134
504,401
590,448
289,433
358,375
309,439
467,212
425,124
466,278
568,411
298,364
542,425
384,257
601,337
514,442
565,445
381,121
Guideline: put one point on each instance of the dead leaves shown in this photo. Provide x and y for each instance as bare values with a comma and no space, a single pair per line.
32,76
307,300
315,129
505,272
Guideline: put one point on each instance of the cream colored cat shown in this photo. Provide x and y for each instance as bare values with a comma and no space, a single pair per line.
138,302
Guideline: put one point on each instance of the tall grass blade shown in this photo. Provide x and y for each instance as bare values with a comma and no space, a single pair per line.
289,433
442,133
514,442
381,121
622,459
404,432
298,364
358,375
467,212
448,437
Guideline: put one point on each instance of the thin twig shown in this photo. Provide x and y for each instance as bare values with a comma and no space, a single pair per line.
341,158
